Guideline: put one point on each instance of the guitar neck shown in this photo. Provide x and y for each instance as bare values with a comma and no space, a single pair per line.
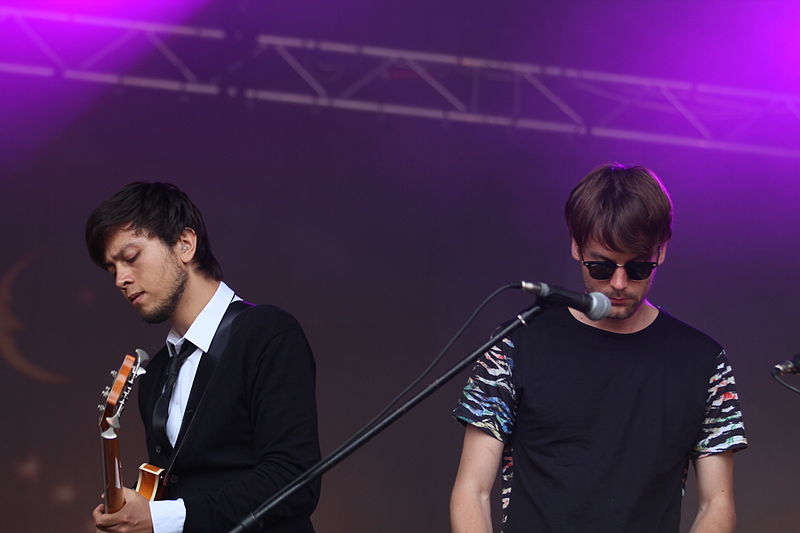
115,397
112,475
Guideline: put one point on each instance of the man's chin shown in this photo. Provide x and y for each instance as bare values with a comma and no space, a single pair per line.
623,312
156,317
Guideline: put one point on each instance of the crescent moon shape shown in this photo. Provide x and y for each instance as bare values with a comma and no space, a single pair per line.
9,323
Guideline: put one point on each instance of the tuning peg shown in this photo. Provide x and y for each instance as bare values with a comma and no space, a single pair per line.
113,373
113,421
101,407
143,356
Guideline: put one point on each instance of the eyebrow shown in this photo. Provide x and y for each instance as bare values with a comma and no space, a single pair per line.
117,256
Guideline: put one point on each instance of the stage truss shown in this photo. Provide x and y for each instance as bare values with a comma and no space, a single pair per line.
205,62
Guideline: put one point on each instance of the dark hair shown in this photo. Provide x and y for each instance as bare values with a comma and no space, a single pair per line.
158,210
625,208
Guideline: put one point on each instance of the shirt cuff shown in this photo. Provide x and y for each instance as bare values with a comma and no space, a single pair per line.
168,516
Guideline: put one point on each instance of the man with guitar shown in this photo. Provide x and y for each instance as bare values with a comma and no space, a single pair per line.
595,422
228,404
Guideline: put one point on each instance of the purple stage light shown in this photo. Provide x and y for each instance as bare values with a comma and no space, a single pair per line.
155,10
48,46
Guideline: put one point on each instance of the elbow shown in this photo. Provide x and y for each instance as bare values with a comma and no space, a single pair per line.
717,516
470,507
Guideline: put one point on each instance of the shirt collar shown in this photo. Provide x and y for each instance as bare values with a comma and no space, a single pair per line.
202,330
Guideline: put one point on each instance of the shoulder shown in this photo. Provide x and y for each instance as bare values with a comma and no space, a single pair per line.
685,346
267,330
680,332
266,319
268,343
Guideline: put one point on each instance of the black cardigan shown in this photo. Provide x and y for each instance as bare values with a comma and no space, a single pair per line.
255,431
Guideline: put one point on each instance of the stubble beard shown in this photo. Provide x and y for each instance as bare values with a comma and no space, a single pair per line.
621,314
626,312
167,307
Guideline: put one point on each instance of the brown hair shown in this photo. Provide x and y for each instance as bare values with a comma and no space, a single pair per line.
157,210
624,208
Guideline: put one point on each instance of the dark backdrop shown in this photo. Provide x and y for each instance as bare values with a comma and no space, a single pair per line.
380,234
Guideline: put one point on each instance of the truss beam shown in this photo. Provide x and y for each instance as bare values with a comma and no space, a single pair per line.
410,83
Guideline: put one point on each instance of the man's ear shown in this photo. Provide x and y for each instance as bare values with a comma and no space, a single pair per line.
662,255
576,253
186,246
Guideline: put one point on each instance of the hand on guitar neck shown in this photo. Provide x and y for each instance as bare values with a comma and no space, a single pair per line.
132,517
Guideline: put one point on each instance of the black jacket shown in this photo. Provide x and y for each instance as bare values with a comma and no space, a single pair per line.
254,432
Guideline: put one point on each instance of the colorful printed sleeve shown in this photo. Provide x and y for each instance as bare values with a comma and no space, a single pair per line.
723,429
488,401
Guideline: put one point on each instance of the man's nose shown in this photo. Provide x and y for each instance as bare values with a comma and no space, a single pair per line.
123,278
619,280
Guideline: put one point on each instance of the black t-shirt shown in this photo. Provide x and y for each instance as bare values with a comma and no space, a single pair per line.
599,426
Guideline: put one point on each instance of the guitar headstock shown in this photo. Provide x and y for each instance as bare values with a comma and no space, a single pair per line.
116,394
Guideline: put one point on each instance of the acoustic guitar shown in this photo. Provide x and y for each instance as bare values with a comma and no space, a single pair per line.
115,396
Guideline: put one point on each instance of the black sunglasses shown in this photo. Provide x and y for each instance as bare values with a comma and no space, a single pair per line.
636,270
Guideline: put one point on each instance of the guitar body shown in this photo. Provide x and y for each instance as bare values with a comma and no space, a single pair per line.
149,483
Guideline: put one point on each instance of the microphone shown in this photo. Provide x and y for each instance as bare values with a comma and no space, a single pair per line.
594,305
790,366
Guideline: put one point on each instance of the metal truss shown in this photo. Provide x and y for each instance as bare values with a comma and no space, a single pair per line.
213,62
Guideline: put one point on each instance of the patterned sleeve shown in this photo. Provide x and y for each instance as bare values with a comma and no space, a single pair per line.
488,401
723,429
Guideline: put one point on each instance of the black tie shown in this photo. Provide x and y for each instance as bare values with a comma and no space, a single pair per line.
161,411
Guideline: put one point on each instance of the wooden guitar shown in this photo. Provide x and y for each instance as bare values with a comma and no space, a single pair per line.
115,396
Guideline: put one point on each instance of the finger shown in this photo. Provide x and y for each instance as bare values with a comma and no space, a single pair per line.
104,521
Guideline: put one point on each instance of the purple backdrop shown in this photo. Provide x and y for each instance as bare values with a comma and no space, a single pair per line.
381,234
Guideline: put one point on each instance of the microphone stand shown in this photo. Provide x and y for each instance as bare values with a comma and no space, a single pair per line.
252,522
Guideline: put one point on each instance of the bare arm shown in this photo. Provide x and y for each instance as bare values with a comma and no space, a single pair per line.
717,513
470,509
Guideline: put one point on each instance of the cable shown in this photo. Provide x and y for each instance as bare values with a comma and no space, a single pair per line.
779,380
436,359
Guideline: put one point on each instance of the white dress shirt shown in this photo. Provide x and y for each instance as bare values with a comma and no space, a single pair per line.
169,515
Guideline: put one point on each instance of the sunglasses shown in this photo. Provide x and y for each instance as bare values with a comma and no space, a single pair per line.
636,270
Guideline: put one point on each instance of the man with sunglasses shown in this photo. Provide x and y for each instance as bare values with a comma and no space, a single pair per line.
594,423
